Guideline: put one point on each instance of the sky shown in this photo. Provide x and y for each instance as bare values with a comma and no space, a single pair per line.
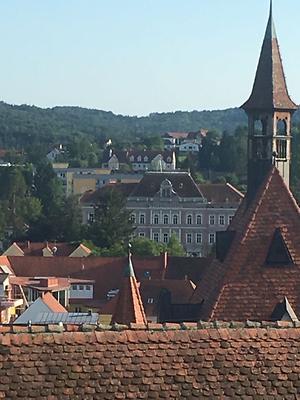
134,57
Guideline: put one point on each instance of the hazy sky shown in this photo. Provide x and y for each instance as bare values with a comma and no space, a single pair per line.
140,56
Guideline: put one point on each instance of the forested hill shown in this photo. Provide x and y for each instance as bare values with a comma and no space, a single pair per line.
20,123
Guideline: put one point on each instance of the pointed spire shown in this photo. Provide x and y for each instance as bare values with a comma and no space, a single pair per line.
271,31
270,90
129,307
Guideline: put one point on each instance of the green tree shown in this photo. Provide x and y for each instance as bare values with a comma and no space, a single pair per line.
146,247
71,220
154,142
175,248
112,223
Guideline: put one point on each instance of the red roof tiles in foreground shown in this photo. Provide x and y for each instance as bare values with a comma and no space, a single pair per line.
225,363
245,286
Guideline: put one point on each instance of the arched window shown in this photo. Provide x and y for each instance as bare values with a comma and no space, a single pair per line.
166,188
281,127
257,127
175,219
166,219
139,159
189,220
155,219
199,219
260,126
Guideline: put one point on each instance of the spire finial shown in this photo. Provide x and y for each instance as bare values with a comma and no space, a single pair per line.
129,271
271,8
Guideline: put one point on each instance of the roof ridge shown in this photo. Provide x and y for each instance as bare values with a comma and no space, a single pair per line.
214,325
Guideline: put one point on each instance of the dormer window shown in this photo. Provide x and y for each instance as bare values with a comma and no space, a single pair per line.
166,188
278,254
131,158
145,159
139,158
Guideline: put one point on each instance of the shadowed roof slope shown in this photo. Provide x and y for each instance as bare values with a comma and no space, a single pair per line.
220,193
129,307
270,90
245,286
182,183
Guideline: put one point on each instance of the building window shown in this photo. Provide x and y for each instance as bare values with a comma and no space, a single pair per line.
139,159
74,287
145,159
166,219
212,220
165,237
198,237
155,219
189,238
221,219
199,219
81,287
156,237
166,192
141,234
212,238
91,217
133,218
189,220
175,219
142,219
87,287
230,217
150,300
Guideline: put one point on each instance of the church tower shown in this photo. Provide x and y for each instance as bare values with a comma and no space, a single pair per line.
269,111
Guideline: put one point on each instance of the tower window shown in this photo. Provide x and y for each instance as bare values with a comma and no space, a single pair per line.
281,148
281,127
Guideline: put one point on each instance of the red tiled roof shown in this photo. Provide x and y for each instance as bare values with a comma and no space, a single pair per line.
92,197
36,248
52,303
270,89
220,193
105,271
244,286
176,135
187,267
252,363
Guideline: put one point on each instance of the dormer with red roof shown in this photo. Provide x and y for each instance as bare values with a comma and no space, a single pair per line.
129,307
269,111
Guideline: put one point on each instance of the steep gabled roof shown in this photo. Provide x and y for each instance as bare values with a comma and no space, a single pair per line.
129,308
244,286
270,90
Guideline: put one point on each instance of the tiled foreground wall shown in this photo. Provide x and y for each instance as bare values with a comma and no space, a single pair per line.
173,362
